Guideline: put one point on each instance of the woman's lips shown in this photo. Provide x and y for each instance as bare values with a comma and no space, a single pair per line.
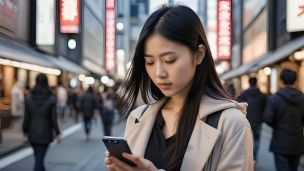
164,85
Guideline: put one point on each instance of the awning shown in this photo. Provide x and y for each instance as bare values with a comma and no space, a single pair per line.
19,52
243,69
94,68
66,65
266,60
16,51
281,53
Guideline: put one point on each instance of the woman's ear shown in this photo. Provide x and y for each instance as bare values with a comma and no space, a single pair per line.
200,54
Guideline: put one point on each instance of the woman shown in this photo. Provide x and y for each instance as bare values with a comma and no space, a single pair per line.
173,64
40,119
88,105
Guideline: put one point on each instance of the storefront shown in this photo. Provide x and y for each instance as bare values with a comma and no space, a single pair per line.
19,57
266,54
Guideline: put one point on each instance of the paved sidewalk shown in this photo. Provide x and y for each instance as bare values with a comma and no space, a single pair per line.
73,153
13,138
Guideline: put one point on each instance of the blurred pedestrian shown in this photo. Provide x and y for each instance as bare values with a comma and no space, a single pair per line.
256,105
27,90
285,114
62,98
17,104
70,105
76,102
231,91
193,124
107,110
88,105
41,120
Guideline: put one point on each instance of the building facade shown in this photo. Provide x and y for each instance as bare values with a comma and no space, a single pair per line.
272,39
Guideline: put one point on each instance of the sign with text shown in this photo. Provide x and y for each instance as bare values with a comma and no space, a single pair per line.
45,22
295,15
110,35
69,16
224,30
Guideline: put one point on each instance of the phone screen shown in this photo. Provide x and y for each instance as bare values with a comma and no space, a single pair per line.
116,146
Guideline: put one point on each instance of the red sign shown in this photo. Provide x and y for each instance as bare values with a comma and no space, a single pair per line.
69,16
224,30
302,10
110,35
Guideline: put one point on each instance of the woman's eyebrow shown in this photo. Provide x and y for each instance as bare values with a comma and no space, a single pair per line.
161,55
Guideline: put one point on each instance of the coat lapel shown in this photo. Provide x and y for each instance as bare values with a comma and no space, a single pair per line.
138,134
200,146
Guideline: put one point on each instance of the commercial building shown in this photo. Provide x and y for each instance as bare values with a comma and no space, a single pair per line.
271,38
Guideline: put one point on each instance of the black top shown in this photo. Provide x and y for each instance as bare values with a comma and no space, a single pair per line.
157,145
40,118
256,104
88,104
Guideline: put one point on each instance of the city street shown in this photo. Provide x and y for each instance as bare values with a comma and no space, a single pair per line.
75,154
72,154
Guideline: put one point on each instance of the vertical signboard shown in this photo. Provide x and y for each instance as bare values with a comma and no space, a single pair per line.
110,35
45,22
224,30
69,16
295,15
212,26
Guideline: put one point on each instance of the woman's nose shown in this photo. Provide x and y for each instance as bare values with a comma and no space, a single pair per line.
160,71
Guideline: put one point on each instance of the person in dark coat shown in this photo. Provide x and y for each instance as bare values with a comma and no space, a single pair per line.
107,110
40,121
88,105
285,114
256,104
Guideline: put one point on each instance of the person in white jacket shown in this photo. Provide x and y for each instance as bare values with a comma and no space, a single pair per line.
173,64
17,103
62,98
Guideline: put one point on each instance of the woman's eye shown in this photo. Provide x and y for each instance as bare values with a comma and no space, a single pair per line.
170,62
149,63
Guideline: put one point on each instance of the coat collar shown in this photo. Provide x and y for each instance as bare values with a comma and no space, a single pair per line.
201,142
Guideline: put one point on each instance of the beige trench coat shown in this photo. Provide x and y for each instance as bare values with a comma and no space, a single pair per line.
231,141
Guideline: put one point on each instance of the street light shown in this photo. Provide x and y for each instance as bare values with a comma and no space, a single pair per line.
72,44
267,70
89,80
104,79
119,26
81,77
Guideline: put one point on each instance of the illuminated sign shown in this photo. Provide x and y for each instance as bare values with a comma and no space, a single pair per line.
224,30
295,15
69,16
45,22
110,35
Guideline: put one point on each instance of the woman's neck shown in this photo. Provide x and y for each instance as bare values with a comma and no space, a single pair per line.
174,104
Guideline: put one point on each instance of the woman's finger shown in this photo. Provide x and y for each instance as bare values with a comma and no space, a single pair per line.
116,167
122,164
108,161
137,159
108,154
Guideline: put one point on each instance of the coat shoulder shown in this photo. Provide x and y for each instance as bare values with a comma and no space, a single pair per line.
233,118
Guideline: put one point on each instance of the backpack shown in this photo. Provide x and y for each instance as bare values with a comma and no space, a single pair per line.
212,119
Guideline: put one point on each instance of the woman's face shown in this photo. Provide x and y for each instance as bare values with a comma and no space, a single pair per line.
171,66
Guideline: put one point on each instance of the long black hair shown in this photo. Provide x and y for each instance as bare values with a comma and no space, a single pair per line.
42,85
178,24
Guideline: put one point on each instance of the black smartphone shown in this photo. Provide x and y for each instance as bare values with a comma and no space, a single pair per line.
116,146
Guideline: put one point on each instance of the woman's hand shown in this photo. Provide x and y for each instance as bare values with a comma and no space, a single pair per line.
114,164
58,138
